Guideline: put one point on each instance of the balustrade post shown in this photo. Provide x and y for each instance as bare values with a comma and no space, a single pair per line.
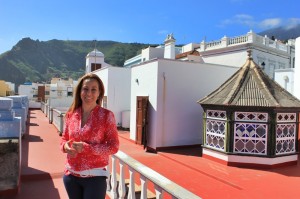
158,192
122,188
51,116
113,190
203,46
61,123
144,187
131,192
224,41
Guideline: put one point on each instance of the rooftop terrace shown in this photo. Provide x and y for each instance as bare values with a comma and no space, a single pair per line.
43,163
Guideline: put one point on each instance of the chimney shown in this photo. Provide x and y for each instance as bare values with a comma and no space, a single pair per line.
169,47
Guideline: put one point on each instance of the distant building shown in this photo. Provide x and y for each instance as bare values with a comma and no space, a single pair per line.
297,69
6,88
59,91
169,50
269,54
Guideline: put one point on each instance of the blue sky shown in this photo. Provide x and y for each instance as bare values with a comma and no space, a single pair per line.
142,21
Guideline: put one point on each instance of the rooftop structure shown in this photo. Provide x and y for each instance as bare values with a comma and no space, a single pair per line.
251,120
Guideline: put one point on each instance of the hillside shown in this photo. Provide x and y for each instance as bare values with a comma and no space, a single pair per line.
283,33
38,61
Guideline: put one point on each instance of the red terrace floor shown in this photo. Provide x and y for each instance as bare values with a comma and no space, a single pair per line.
43,163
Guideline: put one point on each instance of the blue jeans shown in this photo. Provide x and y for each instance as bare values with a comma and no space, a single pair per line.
85,188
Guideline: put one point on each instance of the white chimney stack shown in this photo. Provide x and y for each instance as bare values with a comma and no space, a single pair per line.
169,47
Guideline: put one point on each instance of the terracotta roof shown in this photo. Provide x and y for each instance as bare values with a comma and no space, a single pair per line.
250,86
192,52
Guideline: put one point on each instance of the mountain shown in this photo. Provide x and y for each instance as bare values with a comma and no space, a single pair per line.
39,61
283,33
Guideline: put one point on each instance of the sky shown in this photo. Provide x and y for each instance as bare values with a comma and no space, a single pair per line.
141,21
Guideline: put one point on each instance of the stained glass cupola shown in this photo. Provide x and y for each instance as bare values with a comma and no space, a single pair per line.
251,121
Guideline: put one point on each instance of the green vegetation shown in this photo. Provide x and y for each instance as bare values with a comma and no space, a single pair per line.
39,61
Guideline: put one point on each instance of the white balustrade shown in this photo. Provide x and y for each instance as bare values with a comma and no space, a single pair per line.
57,118
248,38
161,184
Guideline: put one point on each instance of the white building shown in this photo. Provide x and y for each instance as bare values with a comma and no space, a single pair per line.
155,52
116,82
171,88
268,54
29,89
59,93
287,78
297,69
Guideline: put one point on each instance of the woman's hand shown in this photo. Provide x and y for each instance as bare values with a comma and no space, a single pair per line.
78,146
70,150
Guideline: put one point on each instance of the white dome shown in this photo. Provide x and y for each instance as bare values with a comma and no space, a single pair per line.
95,53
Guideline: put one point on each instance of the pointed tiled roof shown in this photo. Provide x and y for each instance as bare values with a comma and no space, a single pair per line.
250,86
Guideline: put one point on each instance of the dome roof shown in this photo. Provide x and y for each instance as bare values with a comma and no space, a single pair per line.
95,53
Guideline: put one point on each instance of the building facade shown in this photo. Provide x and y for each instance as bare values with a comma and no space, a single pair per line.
6,88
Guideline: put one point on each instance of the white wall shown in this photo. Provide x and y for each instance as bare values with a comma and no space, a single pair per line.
26,90
116,82
190,47
285,78
235,58
174,87
151,53
60,102
144,83
297,69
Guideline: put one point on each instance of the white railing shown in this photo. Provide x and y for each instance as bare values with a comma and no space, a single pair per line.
238,40
248,38
57,118
116,189
213,44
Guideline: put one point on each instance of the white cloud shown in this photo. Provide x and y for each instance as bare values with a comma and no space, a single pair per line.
270,23
242,19
250,22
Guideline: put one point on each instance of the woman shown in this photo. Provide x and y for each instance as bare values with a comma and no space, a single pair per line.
90,136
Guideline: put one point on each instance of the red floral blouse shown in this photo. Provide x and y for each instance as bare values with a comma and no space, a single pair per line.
99,134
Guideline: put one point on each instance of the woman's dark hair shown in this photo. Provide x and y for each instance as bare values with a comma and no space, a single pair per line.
77,102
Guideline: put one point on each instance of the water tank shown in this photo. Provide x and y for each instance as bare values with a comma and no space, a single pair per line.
125,119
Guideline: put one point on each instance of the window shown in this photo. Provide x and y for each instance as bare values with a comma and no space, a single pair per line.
95,66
